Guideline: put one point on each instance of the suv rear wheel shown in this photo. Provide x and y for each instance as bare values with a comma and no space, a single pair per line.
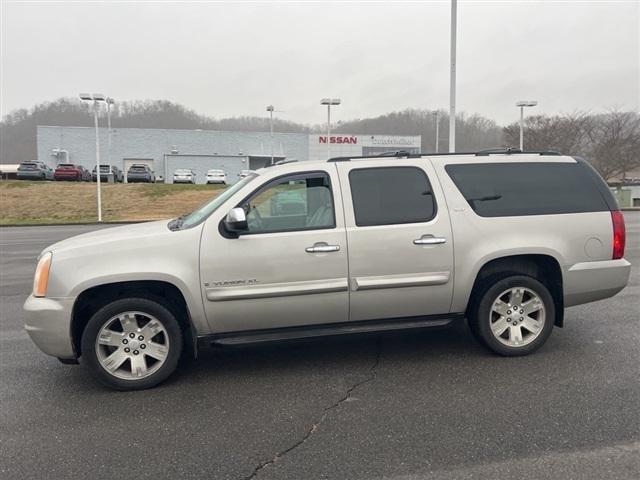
513,315
132,344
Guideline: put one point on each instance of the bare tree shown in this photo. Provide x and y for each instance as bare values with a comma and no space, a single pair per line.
564,133
615,143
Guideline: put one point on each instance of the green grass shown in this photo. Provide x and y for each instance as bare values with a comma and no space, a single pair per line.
157,190
31,203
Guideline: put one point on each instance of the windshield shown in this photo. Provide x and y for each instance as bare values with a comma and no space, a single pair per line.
202,212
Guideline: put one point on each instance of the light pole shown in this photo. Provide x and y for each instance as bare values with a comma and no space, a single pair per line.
452,79
96,98
522,104
437,120
328,102
270,110
110,101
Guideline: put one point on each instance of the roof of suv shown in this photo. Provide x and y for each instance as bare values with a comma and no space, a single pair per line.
481,153
484,156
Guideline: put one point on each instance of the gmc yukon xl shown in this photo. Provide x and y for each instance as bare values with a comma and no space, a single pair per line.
506,240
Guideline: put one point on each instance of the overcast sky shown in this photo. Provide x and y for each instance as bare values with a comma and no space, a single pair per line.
231,59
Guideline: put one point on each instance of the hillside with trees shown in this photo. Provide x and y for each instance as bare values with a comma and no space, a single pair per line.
610,141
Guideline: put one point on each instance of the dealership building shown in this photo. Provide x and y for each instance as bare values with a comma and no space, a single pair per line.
166,150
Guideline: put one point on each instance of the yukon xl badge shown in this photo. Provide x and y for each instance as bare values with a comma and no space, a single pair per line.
232,283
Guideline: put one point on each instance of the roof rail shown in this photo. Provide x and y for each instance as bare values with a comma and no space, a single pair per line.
392,153
512,150
280,162
481,153
397,153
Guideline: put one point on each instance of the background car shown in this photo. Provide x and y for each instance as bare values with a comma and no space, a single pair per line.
245,173
140,173
217,176
70,171
184,175
105,170
34,171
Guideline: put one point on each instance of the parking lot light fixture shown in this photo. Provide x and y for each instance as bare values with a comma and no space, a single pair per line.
96,98
522,104
328,102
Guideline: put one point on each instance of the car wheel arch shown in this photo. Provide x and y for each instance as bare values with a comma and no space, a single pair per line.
93,298
541,266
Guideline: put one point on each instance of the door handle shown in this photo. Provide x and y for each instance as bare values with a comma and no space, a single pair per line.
429,240
322,247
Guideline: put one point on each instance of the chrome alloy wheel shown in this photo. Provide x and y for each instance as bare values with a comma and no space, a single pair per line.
517,317
132,345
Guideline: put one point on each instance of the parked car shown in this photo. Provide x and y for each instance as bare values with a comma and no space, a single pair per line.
140,173
34,171
245,173
70,171
507,240
105,171
216,176
184,175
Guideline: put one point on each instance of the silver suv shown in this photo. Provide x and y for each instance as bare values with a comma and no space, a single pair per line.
506,240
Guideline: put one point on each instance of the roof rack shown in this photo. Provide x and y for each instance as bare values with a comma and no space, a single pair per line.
280,162
481,153
512,150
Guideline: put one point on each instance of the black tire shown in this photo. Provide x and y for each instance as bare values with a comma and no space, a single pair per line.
145,305
480,316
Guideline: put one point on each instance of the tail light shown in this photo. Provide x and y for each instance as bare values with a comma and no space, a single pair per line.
619,234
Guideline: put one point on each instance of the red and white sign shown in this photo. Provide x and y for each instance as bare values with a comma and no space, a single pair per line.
350,139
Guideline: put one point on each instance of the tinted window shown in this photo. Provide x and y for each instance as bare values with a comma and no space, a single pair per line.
391,195
298,202
511,189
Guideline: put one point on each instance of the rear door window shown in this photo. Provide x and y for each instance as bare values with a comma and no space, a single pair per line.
514,189
391,195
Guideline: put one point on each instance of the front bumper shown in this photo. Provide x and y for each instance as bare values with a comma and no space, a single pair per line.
590,281
48,323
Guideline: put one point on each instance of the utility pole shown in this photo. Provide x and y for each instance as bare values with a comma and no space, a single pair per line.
452,85
95,98
328,102
522,104
110,101
437,120
270,110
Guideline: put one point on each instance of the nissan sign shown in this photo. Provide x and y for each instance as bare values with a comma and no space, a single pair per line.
351,140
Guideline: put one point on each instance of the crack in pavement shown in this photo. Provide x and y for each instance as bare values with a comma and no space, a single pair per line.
325,412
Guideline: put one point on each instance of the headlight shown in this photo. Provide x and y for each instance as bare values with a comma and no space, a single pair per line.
41,278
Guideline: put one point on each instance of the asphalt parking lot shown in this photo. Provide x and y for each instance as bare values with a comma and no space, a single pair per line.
404,406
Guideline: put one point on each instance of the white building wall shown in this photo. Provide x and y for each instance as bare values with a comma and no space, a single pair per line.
345,145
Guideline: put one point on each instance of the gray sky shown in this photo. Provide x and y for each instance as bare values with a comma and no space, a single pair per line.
231,59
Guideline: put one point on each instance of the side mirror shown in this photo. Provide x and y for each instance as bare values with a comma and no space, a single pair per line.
236,221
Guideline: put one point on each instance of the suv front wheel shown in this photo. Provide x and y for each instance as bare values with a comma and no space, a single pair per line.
513,316
132,344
